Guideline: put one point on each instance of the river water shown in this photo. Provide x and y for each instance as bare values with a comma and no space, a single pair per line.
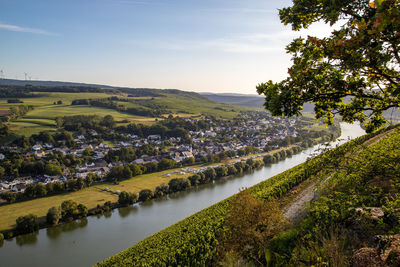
88,241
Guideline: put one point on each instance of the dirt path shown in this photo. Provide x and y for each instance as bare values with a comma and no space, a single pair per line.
296,209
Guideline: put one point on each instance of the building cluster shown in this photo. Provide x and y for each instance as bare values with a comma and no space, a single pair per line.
256,129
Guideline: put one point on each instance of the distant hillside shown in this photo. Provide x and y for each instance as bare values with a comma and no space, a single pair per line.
51,83
126,105
236,99
245,100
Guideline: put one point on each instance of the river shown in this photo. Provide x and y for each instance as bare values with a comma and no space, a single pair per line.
88,241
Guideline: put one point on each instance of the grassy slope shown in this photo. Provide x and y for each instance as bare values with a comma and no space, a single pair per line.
180,103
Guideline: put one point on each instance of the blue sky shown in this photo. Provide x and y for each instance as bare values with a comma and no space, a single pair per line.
194,45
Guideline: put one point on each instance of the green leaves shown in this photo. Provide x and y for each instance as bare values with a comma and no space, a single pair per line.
355,72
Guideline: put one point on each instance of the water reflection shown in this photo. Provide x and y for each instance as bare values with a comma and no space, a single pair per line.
125,211
68,227
28,239
53,232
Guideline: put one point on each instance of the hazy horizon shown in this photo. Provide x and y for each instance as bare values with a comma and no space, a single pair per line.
203,46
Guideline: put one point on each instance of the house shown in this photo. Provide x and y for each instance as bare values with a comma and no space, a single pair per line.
138,161
154,137
48,145
210,134
19,187
186,154
103,145
40,154
37,147
93,132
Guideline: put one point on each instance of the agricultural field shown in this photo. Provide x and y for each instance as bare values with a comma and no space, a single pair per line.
179,103
92,196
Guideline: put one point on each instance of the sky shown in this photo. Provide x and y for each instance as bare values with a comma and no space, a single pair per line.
215,46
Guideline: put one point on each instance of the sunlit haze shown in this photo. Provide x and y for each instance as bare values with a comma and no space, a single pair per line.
205,46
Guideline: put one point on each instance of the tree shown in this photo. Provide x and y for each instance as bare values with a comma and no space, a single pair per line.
135,169
2,172
124,198
178,184
80,183
69,209
145,194
355,72
59,187
250,224
161,190
166,164
82,210
90,177
53,215
40,190
52,169
232,170
27,224
10,197
210,174
221,171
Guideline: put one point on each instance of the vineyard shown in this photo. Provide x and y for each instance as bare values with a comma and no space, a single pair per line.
194,240
358,209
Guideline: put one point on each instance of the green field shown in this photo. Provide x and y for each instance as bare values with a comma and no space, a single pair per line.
42,118
92,196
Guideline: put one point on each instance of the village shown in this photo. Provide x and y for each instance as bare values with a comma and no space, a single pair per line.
257,130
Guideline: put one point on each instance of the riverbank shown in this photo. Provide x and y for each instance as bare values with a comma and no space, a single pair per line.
72,244
133,186
195,240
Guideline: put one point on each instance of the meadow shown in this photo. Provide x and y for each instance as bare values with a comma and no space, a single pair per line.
42,118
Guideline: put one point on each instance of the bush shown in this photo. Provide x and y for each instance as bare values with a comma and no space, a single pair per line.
161,190
27,224
145,194
10,197
178,184
124,198
53,215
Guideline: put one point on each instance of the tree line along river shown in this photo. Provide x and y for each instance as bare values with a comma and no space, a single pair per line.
90,240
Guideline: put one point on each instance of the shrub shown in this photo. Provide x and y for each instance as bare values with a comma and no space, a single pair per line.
53,215
145,194
27,224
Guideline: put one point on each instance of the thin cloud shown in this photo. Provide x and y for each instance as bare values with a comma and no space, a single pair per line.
16,28
256,43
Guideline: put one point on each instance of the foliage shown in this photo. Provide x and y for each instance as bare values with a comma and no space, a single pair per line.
333,228
250,224
126,198
178,184
70,210
145,194
27,224
53,215
353,71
